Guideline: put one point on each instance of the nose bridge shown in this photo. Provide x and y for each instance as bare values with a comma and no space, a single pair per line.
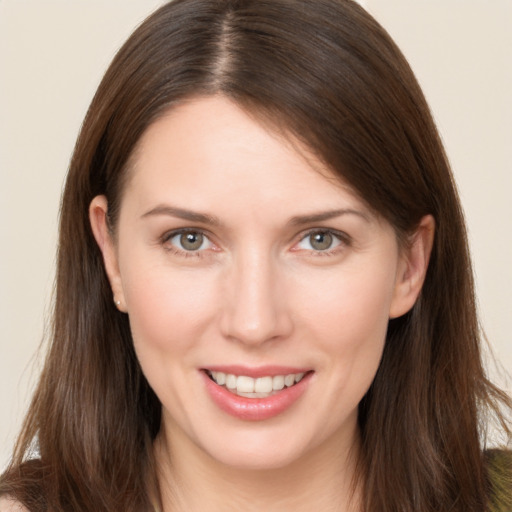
256,308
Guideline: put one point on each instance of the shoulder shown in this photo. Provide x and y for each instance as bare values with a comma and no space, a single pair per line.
499,474
9,505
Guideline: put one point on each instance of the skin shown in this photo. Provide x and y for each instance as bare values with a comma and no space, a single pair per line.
9,505
257,292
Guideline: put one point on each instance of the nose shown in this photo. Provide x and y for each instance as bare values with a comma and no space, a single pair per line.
255,306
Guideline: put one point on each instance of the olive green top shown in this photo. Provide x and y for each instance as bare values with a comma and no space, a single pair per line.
499,467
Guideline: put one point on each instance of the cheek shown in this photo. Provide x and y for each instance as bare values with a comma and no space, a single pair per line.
167,308
169,312
348,323
353,306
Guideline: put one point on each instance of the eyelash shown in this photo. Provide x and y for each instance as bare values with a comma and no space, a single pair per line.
342,238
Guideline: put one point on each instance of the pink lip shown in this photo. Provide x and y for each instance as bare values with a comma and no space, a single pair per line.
255,409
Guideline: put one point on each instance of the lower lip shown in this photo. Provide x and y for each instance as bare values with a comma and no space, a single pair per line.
255,409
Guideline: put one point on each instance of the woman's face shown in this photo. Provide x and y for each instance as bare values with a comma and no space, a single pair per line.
258,287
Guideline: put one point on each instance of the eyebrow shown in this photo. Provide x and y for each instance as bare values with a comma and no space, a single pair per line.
204,218
182,213
331,214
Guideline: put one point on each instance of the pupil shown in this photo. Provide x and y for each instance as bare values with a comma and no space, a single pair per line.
191,241
321,241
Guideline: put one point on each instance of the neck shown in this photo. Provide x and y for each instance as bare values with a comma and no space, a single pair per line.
190,480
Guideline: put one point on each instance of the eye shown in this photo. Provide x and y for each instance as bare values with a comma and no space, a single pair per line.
189,241
322,240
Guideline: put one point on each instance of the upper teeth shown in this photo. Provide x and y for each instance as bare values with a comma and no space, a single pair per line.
241,384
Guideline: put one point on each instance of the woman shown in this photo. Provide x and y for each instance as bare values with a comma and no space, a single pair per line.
264,296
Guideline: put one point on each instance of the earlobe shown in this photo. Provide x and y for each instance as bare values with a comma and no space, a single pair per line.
98,218
412,268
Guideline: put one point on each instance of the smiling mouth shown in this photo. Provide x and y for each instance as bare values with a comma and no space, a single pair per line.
261,387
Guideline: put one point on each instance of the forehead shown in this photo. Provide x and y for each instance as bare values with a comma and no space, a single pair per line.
209,148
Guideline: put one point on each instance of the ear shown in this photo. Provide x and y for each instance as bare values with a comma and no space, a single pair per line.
412,267
98,217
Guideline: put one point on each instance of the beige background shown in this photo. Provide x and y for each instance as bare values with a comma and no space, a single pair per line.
52,56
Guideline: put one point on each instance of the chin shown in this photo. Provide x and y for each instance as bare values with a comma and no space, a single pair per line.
251,451
244,460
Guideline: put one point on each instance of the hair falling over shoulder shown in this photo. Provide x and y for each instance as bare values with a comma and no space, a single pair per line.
326,72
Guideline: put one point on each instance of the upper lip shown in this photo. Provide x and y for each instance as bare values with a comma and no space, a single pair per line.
257,371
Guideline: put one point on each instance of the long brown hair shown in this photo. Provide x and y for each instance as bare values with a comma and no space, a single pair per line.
325,72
